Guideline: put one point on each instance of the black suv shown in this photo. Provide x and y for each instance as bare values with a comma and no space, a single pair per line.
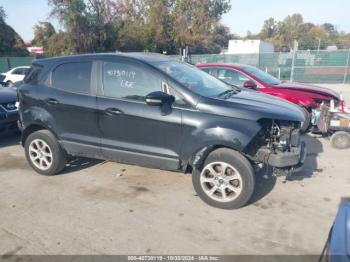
148,110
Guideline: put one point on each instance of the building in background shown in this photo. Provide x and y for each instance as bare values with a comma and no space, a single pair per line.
249,47
35,50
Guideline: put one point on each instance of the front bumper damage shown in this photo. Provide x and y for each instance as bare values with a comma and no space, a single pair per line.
293,159
282,148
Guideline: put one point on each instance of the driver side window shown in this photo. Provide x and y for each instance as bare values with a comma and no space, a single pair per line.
129,81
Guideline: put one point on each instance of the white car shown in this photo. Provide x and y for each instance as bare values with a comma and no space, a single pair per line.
14,75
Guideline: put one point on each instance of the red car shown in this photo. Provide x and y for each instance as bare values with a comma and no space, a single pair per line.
307,96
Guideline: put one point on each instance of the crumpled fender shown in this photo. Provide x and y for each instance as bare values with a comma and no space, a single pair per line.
213,132
38,116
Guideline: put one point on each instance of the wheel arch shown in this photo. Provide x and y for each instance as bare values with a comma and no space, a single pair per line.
33,128
199,156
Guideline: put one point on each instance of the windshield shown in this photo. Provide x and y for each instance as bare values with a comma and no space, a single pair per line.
195,79
262,76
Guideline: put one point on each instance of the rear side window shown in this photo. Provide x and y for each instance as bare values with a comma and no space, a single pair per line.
33,75
129,81
73,77
20,71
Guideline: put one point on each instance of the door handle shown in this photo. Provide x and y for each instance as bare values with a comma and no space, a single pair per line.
51,101
114,111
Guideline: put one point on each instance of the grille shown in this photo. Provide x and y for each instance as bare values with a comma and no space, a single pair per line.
2,116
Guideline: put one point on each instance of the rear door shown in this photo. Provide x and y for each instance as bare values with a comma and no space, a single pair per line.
70,100
133,131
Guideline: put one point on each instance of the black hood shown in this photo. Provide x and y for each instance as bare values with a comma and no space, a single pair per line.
254,105
7,95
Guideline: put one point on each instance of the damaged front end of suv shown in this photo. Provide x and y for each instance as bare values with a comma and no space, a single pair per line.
279,145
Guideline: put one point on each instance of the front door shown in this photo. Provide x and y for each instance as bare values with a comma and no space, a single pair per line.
132,131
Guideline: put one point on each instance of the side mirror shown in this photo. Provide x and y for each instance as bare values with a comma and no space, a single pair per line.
159,98
250,84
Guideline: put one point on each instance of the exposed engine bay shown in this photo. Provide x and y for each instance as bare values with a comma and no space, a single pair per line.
279,145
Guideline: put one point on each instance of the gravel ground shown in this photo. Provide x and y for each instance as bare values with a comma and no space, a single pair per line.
108,208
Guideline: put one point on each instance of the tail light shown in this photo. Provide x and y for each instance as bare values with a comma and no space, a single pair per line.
342,103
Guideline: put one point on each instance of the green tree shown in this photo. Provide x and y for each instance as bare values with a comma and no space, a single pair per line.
195,23
2,14
89,24
222,36
309,36
142,25
102,15
159,22
42,32
269,29
74,17
11,44
130,24
330,28
59,44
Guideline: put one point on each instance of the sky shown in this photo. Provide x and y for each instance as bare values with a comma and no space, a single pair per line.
246,15
250,14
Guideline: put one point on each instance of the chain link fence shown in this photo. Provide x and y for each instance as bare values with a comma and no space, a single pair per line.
307,67
7,63
304,66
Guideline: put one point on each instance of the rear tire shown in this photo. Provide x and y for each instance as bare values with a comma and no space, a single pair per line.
226,180
340,140
44,153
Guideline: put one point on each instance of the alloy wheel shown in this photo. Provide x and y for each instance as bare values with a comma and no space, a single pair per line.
40,154
221,181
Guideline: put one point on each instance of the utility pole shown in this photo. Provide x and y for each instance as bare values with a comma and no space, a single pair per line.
347,67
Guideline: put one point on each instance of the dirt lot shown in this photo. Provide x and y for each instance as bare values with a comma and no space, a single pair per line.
108,208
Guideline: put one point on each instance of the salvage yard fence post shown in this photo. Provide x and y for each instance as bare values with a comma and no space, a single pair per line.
295,51
347,67
8,63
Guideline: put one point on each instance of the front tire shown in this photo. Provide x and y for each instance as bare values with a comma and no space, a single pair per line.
340,140
9,84
307,123
226,180
44,153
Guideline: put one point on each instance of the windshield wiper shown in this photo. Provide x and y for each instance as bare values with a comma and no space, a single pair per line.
228,93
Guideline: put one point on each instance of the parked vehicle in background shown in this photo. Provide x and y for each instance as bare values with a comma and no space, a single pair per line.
337,247
308,97
2,77
17,84
8,110
14,75
148,110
